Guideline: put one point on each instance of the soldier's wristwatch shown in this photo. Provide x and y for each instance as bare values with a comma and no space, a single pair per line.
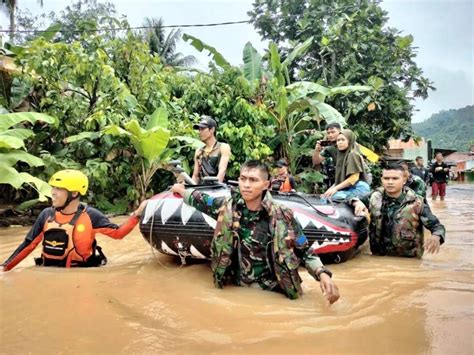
323,270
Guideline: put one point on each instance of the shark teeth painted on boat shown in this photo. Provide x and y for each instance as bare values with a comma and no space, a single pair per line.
211,221
196,253
334,241
186,213
166,249
151,207
169,208
302,219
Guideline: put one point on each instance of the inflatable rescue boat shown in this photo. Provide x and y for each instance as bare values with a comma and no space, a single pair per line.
175,228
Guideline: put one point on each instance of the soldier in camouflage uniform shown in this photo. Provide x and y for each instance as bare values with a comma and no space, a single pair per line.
414,182
326,158
257,241
397,217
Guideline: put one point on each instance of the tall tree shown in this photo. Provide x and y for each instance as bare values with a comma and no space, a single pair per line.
9,7
87,17
353,44
165,45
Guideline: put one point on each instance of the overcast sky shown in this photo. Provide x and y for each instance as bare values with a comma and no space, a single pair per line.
443,32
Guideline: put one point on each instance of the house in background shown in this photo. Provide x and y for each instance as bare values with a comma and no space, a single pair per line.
409,150
462,164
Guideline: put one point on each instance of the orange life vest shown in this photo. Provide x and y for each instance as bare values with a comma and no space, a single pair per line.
59,244
286,186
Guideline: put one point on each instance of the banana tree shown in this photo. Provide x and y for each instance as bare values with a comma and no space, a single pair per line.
151,145
297,108
13,133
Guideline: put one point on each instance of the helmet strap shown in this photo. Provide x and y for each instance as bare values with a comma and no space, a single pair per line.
69,199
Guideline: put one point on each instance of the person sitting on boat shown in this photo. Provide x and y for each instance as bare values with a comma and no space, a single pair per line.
68,228
257,241
349,169
397,217
213,158
284,181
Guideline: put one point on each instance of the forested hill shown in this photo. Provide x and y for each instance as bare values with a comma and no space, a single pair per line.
452,129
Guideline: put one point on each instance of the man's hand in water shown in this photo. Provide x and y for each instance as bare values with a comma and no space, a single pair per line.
432,244
178,189
329,288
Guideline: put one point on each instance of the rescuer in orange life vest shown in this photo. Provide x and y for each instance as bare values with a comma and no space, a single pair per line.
68,228
283,182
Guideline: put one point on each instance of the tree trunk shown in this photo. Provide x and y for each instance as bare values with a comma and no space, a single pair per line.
12,21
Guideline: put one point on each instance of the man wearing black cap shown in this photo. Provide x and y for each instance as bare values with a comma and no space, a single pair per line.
212,159
283,182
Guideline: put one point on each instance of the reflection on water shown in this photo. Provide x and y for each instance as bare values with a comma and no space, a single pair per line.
142,303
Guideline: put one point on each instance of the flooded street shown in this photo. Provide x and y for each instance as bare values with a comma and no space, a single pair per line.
146,303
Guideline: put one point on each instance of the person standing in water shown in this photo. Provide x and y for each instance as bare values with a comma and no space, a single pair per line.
414,182
440,172
397,217
420,170
257,241
213,158
68,227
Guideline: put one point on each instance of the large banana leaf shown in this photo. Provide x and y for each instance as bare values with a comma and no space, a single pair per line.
349,89
329,113
192,142
10,176
19,133
302,89
298,105
200,46
275,64
12,157
252,63
19,90
10,119
299,50
148,143
282,101
50,31
83,135
159,118
11,142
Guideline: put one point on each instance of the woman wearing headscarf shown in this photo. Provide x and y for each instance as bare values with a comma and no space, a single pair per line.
349,169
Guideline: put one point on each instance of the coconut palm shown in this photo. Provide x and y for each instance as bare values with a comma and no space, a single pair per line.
165,45
9,7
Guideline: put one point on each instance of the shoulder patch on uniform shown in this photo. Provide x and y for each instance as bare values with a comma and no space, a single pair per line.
301,240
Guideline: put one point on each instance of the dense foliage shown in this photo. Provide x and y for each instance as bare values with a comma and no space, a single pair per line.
353,44
451,129
124,109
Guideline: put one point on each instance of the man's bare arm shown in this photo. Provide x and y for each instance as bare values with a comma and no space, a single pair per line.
197,167
225,157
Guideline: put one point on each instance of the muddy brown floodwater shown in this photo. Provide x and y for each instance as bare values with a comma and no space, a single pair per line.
142,303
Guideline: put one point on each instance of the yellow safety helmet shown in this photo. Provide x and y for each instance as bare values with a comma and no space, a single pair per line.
71,180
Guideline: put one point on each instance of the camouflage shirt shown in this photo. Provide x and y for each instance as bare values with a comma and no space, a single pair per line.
265,246
417,184
396,226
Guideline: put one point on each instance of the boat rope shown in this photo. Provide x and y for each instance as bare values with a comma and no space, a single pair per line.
150,241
